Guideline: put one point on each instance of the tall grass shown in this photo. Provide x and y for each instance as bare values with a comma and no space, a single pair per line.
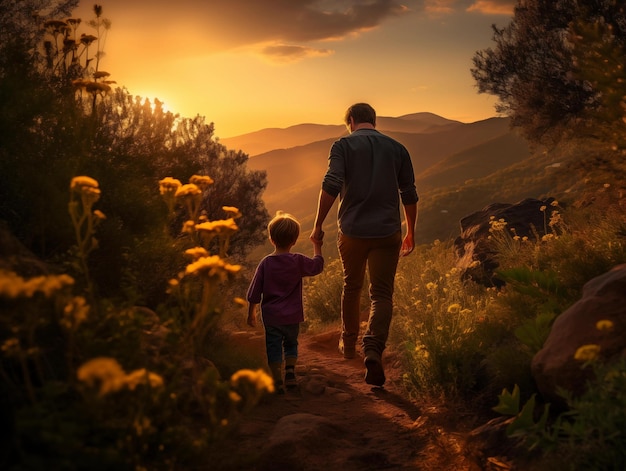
462,341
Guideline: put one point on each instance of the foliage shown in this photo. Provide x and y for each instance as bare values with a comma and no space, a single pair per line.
589,435
443,324
59,111
538,67
93,386
322,298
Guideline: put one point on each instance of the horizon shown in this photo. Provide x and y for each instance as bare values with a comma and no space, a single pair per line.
246,65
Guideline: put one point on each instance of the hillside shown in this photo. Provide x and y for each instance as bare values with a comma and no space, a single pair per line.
270,139
448,158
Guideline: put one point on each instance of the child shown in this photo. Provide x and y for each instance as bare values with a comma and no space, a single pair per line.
277,286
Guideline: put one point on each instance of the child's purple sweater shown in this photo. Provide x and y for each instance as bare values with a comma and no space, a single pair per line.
277,286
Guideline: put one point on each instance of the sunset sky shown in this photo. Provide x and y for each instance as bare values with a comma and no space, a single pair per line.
252,64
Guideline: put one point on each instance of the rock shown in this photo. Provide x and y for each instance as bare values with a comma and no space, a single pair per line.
473,244
603,299
315,386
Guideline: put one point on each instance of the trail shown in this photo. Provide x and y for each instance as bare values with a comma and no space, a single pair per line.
335,421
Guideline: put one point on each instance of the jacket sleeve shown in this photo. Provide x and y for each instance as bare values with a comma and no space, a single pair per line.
312,266
335,175
255,290
406,180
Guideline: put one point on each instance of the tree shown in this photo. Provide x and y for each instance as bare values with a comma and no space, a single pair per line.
59,118
536,67
600,60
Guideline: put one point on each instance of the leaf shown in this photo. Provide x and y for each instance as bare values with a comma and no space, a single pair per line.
524,422
508,403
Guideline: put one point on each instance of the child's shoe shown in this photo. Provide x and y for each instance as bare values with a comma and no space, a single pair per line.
290,378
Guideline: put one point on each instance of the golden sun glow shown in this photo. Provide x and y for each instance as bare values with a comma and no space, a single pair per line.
247,65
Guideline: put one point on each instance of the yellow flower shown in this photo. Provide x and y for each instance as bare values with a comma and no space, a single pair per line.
87,188
202,181
197,252
53,283
234,397
13,286
258,378
143,376
587,352
105,371
454,308
232,210
188,190
604,324
212,266
11,346
189,227
79,183
99,215
75,312
169,184
221,226
110,375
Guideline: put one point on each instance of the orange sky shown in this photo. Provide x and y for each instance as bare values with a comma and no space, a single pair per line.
252,64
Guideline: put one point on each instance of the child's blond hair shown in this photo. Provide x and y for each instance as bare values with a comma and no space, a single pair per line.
284,230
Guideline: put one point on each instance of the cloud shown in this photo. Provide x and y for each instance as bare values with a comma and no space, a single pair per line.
440,6
290,53
486,7
492,7
236,23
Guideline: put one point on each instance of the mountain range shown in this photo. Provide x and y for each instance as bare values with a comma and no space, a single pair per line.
459,167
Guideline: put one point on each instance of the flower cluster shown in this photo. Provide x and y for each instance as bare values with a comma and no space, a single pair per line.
13,286
212,267
110,376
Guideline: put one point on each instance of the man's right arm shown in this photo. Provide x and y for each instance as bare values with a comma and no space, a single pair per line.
324,204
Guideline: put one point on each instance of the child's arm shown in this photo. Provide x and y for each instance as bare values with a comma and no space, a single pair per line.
317,244
252,314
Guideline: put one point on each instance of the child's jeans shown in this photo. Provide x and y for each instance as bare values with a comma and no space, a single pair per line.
279,339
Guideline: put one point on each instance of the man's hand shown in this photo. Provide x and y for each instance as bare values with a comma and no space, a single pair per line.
317,235
408,244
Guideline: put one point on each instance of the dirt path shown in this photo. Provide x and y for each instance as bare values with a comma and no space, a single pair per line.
335,421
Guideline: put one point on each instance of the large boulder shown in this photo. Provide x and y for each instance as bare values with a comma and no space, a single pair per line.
475,252
603,299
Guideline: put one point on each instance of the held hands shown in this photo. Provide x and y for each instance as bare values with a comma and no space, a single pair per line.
317,236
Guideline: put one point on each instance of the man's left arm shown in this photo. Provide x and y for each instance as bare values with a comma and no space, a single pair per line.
410,217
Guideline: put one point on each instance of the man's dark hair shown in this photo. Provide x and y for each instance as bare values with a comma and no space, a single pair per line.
361,113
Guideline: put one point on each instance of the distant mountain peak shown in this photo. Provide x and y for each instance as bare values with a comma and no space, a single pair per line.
268,139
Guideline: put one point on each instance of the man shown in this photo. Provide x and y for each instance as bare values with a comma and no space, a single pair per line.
371,173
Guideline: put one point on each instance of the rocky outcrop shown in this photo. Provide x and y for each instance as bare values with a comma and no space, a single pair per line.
475,252
597,319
